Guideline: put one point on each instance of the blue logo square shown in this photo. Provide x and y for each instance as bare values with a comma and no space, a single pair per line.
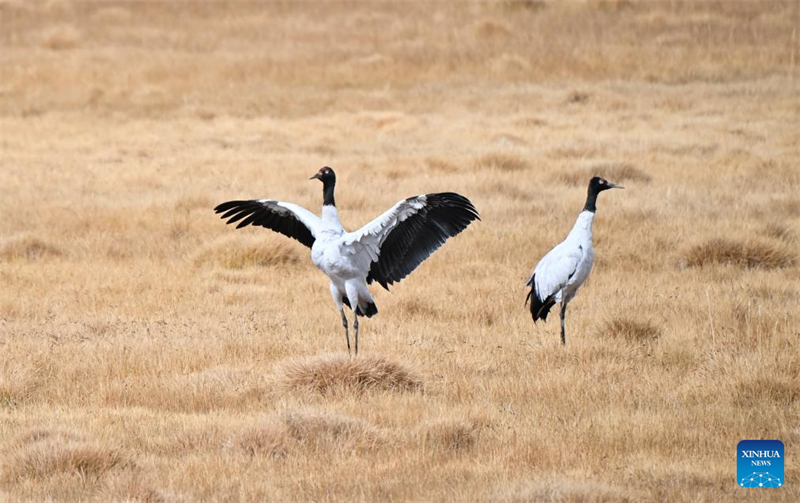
759,463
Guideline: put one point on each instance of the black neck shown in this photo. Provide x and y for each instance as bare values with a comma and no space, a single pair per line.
327,193
591,200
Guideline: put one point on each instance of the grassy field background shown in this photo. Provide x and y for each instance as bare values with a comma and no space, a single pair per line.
150,353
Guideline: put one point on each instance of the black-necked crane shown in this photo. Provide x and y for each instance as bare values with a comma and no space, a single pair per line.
563,270
385,250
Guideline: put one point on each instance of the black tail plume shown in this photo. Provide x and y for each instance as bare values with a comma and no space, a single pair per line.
369,311
539,308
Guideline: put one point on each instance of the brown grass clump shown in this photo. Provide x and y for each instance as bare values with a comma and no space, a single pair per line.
336,371
502,162
742,254
631,330
267,439
566,491
278,436
450,435
328,431
28,248
239,252
41,453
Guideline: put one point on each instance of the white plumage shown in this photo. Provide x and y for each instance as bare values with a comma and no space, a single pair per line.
561,272
385,250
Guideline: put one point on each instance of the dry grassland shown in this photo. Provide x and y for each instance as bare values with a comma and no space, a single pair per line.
150,353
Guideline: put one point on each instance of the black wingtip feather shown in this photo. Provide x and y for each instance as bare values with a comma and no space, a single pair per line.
444,215
267,214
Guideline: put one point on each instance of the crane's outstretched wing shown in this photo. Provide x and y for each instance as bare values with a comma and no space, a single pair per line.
550,276
408,233
287,218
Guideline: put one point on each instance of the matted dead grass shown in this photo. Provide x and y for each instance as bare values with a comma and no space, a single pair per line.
340,371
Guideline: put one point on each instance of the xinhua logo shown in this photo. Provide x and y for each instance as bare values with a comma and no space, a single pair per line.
759,463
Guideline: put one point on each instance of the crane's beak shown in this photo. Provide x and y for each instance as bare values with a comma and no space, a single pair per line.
614,186
315,177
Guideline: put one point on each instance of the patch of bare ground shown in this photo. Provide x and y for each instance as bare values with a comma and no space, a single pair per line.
340,371
746,254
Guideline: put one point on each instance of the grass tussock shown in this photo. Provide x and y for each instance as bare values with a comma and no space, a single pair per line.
266,439
566,491
340,371
631,330
328,431
41,453
299,431
741,254
28,248
502,162
239,252
450,435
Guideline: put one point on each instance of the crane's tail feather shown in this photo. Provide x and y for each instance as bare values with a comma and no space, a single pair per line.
368,309
539,309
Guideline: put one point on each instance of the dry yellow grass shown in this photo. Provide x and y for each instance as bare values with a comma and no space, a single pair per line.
150,353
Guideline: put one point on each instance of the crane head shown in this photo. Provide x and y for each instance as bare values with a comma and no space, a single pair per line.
325,174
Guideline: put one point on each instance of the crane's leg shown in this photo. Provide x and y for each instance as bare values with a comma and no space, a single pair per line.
351,289
355,330
337,298
346,333
563,330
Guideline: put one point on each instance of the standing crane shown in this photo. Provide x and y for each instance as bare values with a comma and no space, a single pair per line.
563,270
